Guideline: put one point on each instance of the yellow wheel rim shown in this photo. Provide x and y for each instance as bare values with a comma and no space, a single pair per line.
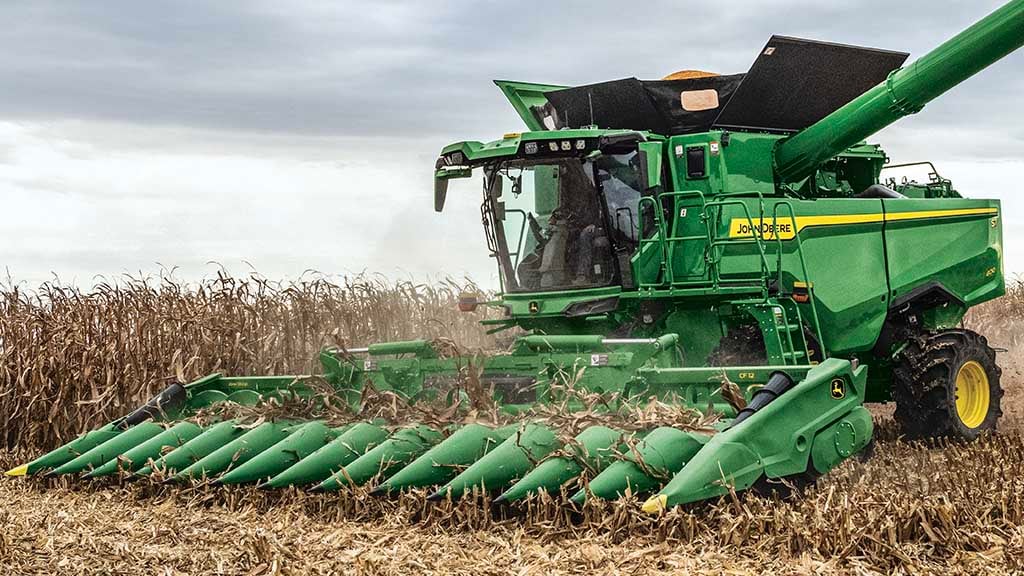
972,394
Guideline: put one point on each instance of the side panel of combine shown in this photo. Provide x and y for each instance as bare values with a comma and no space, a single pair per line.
953,245
845,259
840,251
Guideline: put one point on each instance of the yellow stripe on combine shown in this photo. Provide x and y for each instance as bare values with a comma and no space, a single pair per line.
767,228
890,217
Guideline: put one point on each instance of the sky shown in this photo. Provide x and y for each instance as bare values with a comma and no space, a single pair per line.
285,137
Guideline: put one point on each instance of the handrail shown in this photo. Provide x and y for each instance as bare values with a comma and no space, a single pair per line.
671,241
803,266
664,240
755,238
660,223
711,214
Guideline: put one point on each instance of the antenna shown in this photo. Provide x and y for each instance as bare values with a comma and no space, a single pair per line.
590,100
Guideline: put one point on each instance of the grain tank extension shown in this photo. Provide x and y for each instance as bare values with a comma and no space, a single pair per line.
671,239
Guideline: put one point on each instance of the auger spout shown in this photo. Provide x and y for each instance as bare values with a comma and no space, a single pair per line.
905,92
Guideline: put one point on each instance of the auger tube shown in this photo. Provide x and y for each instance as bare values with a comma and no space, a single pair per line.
905,92
777,384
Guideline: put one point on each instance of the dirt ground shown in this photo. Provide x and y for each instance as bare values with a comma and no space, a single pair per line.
909,510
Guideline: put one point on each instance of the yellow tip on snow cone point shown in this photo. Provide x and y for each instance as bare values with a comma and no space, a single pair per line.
655,504
19,471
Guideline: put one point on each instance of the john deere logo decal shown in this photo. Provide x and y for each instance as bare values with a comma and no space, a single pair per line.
839,388
534,308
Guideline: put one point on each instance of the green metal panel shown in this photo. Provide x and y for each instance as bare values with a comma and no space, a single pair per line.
656,458
138,457
302,440
352,443
68,452
237,452
195,449
111,448
381,461
842,249
505,464
525,95
594,448
442,462
954,242
841,440
776,441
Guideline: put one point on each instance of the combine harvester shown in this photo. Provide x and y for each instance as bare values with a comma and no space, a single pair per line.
653,240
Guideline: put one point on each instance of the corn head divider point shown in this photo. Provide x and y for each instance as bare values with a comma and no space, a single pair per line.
705,292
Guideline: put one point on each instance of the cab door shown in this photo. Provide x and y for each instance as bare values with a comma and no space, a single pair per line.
648,262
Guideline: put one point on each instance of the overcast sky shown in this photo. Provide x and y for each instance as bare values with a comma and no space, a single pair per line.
302,135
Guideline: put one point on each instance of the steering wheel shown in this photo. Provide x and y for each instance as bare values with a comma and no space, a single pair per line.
535,228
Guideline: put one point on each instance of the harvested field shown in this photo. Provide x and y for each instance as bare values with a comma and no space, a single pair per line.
909,508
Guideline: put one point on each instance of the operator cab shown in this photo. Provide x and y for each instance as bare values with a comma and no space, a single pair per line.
560,224
561,209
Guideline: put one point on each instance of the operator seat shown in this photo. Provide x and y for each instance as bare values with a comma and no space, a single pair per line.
553,262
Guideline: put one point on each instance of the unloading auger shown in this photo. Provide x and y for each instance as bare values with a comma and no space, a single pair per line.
657,240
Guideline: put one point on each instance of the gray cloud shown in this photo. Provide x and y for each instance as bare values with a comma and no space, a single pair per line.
302,134
340,69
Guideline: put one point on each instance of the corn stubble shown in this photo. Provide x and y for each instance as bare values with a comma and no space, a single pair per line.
72,360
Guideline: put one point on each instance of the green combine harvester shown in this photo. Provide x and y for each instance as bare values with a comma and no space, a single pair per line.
660,239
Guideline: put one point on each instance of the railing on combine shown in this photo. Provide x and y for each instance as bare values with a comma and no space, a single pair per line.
713,247
803,265
718,244
706,242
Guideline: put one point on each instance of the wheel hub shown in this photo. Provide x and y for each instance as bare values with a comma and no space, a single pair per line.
972,394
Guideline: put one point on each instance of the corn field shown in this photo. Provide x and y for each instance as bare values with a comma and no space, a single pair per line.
72,360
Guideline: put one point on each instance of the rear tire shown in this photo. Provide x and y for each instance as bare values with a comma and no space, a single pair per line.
946,384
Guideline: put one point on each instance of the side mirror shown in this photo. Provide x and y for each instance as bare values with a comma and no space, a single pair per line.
440,192
441,178
496,186
650,164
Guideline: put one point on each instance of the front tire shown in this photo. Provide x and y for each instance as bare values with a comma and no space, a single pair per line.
946,384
